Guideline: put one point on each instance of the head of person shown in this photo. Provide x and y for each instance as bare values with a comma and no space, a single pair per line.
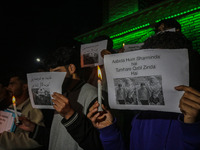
167,40
109,44
153,80
3,84
142,85
64,59
128,82
18,86
3,92
167,24
119,85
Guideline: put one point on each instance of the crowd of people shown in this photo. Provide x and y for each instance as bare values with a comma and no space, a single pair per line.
75,122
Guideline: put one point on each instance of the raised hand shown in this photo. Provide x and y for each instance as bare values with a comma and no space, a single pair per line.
100,119
105,52
58,69
62,105
26,124
189,103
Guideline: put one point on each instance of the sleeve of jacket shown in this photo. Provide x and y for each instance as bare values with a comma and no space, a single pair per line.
191,135
111,138
83,132
41,135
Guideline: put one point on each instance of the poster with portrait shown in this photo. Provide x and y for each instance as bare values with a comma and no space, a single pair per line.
41,86
91,53
145,79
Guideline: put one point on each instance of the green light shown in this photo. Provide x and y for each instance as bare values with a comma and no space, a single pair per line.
124,11
119,39
134,35
181,13
133,29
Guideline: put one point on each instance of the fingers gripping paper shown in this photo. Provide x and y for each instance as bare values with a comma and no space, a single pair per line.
41,86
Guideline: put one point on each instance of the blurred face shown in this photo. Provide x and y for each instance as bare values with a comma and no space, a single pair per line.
161,27
129,83
154,82
15,87
120,86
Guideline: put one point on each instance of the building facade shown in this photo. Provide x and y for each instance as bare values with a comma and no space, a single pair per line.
132,21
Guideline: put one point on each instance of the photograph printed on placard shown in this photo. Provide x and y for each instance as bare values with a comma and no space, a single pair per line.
143,90
90,58
41,96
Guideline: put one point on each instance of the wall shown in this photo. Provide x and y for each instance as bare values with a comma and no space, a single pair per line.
115,9
136,27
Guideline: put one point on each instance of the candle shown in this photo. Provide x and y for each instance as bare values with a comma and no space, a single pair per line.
99,89
15,109
123,45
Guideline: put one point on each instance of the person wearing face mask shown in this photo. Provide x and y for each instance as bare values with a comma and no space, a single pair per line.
70,106
167,25
156,130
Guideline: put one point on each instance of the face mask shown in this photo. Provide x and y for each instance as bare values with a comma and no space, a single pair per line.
66,83
68,75
67,79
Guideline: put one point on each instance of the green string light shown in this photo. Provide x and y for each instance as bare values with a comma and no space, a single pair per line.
130,30
147,24
181,13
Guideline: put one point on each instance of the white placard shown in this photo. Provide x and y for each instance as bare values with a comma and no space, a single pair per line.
132,47
11,123
145,79
6,121
41,86
91,53
168,30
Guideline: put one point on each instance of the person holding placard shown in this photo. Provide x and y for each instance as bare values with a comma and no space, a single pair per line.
19,138
168,24
109,50
71,106
159,130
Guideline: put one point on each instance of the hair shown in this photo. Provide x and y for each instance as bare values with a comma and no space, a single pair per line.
168,40
63,56
21,75
105,37
168,23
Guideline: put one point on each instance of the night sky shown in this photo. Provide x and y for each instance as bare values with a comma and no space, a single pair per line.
31,30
